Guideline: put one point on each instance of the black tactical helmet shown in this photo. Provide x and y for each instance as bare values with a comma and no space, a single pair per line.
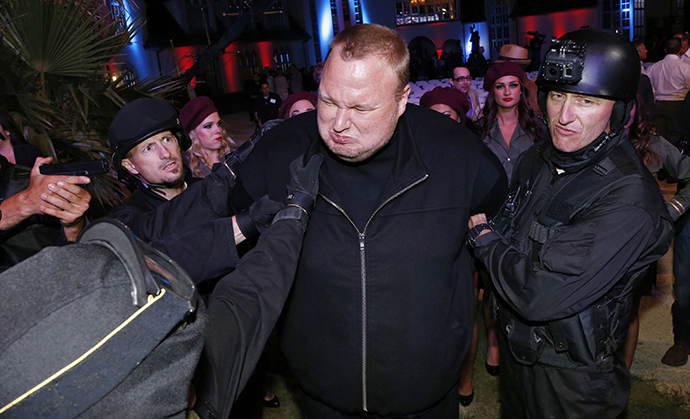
140,119
595,62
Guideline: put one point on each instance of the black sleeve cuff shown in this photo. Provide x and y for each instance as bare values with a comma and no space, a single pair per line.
301,200
246,225
293,213
486,239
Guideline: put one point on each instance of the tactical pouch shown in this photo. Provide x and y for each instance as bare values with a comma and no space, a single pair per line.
569,337
524,342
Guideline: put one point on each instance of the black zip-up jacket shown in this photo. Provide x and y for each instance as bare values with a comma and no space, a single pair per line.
380,318
242,312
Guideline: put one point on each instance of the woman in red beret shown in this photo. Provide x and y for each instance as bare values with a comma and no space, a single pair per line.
450,102
297,103
508,127
210,142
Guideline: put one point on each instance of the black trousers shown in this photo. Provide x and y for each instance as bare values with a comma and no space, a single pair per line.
447,408
666,111
540,391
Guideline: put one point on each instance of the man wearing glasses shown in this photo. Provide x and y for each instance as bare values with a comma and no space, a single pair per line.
462,81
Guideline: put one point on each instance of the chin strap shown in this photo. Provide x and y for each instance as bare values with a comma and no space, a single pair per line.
620,115
155,187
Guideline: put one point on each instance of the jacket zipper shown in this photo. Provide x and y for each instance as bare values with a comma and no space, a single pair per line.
363,273
363,276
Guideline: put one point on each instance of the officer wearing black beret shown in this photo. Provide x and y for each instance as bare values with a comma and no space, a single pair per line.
147,141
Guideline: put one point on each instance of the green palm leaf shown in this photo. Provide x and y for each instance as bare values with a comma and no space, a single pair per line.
55,83
72,39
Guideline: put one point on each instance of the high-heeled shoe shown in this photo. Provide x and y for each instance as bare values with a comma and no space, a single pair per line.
493,370
466,400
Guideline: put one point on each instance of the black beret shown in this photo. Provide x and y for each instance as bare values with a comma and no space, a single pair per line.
139,120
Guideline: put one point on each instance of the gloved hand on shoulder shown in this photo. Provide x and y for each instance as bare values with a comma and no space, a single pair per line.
302,189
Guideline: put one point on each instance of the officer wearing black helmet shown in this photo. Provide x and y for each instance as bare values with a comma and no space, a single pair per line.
581,223
146,140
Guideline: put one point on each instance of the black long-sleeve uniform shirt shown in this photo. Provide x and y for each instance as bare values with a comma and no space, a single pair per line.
183,225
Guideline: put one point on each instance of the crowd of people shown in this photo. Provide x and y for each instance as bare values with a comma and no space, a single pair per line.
267,89
373,226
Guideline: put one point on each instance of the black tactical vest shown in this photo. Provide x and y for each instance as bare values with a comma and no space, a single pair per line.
540,203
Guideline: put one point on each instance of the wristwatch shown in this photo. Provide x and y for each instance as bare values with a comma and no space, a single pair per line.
476,231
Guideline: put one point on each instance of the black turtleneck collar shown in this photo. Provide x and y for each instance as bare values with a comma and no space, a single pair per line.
360,184
576,160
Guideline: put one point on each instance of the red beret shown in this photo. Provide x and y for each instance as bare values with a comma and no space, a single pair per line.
504,68
447,96
283,113
195,111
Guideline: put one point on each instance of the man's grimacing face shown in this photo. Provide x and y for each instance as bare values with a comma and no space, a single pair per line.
575,120
358,110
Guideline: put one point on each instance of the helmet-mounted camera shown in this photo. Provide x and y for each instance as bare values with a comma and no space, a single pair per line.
563,62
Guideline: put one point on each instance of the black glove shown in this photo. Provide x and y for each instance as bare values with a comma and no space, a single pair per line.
304,182
302,190
258,217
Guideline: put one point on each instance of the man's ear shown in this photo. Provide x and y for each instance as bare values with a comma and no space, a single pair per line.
402,103
129,166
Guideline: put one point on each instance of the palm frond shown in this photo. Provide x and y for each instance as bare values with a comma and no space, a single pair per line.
72,39
54,80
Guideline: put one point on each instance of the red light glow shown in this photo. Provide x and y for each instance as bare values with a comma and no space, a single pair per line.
231,68
558,24
184,59
265,53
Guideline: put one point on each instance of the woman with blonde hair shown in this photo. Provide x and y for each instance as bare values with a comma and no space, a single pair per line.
210,142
